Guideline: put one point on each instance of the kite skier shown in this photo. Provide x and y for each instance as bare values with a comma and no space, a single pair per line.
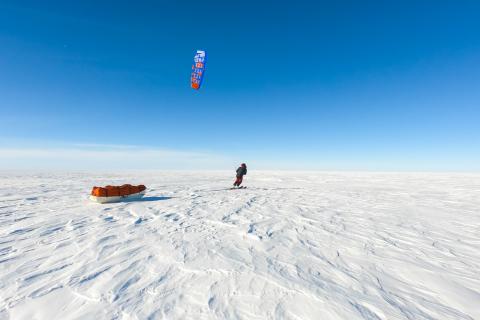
241,171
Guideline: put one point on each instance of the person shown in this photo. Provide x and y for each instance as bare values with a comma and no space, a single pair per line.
241,171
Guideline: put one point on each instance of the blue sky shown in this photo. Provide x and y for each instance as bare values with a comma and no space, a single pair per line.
313,85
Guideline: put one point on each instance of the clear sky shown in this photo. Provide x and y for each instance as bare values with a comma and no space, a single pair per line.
327,85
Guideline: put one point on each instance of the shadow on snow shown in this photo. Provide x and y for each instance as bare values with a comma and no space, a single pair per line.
146,199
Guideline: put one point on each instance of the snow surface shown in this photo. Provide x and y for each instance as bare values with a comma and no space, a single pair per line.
291,246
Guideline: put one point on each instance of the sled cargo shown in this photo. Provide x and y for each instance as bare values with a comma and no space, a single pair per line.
110,194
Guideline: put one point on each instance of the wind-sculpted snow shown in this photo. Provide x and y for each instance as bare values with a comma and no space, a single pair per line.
290,246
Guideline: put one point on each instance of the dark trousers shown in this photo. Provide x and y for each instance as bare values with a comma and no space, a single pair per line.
238,182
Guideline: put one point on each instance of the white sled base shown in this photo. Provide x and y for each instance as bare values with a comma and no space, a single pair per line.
132,196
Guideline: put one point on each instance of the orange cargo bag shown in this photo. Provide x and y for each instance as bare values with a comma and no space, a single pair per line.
112,191
125,190
99,192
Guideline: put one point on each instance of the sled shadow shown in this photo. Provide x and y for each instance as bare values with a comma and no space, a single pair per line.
148,199
155,198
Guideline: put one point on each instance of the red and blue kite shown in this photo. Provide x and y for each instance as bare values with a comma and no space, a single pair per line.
198,69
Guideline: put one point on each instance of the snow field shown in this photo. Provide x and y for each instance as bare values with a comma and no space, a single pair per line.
291,246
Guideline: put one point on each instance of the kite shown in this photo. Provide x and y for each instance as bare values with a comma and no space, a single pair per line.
198,69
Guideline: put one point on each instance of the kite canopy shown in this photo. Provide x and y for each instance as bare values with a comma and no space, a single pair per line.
198,69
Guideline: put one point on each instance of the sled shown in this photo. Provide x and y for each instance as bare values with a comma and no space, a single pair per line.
133,196
111,194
